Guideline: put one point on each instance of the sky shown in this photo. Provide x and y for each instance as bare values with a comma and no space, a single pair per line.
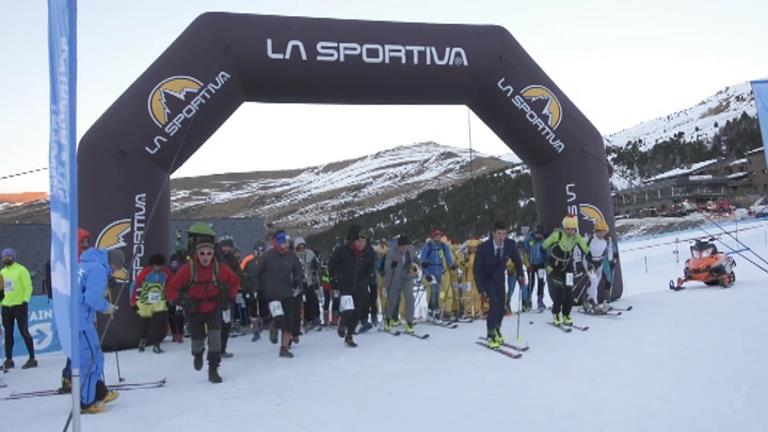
620,62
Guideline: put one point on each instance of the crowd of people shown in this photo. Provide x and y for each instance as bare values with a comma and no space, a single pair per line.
208,289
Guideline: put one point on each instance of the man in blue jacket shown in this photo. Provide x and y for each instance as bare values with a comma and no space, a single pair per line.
435,257
94,269
537,257
490,267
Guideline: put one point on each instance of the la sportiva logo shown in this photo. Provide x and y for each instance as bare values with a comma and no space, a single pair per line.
541,108
370,53
176,100
113,236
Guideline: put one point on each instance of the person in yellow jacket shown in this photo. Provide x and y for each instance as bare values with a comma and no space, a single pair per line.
472,299
449,285
17,290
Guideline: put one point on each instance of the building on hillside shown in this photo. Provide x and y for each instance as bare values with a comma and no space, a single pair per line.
680,190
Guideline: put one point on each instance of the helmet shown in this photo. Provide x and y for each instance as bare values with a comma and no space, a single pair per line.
570,221
201,229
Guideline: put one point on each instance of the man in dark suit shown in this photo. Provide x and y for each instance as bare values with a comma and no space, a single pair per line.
490,275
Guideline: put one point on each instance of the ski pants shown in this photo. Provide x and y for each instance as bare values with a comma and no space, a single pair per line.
595,276
495,296
398,287
351,318
91,365
19,315
533,278
434,291
293,319
561,295
311,304
153,329
199,325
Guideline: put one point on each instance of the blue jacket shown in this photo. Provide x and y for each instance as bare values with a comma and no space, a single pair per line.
430,258
489,270
92,278
535,251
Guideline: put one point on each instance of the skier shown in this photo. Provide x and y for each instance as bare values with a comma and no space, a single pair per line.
94,269
490,266
450,290
311,269
17,292
204,288
561,267
350,269
258,310
398,280
537,258
227,255
472,303
325,281
601,253
435,257
280,275
149,301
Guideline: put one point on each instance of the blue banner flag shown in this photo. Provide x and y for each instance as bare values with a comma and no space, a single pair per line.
760,90
44,337
62,57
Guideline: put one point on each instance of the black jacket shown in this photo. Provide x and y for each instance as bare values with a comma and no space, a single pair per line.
350,272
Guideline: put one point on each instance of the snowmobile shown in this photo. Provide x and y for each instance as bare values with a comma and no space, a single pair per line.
707,265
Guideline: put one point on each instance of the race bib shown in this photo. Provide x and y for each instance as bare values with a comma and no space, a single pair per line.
569,279
347,303
154,297
226,316
276,309
335,294
542,273
240,299
8,286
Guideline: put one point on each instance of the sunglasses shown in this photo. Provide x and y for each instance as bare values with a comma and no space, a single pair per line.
203,254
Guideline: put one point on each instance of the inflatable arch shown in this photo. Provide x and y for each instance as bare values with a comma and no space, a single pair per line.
222,60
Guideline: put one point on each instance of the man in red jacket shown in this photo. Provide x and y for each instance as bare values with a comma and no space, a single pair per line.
203,288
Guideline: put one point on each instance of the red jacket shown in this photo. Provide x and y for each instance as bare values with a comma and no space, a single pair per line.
203,291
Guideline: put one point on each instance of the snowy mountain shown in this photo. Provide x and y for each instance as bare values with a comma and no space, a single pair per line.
314,198
700,121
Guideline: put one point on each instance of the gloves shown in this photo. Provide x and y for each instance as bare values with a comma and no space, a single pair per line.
393,265
110,309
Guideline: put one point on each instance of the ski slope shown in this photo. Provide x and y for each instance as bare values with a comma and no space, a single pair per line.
689,360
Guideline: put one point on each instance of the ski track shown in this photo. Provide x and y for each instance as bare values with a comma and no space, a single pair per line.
688,360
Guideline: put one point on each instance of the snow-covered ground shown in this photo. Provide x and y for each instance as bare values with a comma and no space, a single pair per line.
689,360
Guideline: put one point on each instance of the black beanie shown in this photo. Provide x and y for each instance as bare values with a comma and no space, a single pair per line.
403,240
355,232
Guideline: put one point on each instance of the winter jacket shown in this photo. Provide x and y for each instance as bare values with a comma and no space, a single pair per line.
469,267
149,281
565,242
537,255
351,270
435,258
205,295
93,277
17,284
310,267
489,270
278,274
397,265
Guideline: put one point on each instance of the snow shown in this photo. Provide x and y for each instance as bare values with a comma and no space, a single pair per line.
677,172
671,364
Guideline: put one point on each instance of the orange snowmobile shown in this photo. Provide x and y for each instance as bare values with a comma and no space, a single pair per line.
707,265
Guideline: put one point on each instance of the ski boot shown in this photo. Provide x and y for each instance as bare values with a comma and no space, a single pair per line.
94,408
388,324
31,363
567,320
156,349
409,328
556,319
214,360
111,396
492,341
8,364
66,386
198,361
603,308
142,345
285,353
350,342
365,326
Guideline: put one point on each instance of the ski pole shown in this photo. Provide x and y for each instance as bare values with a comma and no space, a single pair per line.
734,238
519,311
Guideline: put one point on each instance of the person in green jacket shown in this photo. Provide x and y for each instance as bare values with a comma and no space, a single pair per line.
561,267
17,289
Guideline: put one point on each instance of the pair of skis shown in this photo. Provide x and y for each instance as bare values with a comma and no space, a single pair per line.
119,387
611,312
514,351
398,333
568,328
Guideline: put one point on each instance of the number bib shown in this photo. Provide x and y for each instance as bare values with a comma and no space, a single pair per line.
226,316
154,297
347,303
9,286
542,273
276,309
569,279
